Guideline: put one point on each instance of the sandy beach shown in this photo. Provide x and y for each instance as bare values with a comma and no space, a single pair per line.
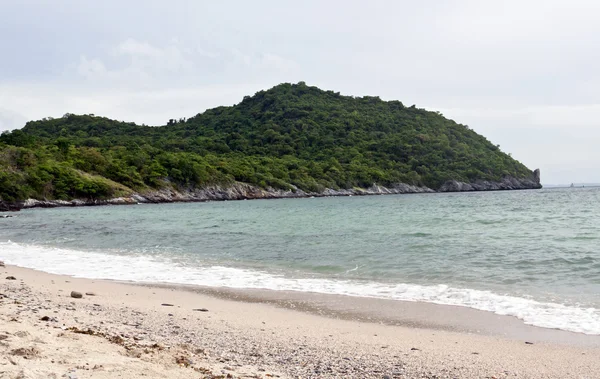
133,331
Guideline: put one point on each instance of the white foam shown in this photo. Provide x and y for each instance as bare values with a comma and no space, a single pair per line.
147,269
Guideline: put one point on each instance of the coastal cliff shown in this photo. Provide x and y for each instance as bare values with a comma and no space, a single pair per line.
507,183
236,191
244,191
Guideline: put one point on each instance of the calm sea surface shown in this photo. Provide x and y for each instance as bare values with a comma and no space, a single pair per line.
530,254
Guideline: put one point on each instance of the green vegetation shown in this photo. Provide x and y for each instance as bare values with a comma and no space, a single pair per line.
291,136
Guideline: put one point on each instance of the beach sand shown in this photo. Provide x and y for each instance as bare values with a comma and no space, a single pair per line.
132,331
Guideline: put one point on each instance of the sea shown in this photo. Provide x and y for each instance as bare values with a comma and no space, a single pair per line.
532,254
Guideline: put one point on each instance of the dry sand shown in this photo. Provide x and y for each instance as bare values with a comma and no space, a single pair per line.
132,331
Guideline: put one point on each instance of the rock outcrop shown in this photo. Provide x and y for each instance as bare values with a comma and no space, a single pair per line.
235,191
34,203
8,207
536,176
243,191
507,183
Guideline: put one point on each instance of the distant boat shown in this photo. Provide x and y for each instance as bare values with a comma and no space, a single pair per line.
572,185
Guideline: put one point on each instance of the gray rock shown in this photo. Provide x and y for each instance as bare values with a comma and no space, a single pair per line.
9,207
456,186
507,183
536,175
10,277
242,191
22,334
76,295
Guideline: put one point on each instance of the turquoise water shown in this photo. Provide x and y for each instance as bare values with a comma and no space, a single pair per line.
531,254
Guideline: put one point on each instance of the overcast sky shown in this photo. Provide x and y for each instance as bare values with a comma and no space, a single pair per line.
523,73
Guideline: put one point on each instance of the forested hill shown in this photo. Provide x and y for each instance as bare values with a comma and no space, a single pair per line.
290,137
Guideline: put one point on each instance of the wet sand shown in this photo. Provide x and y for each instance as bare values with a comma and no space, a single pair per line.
157,331
402,313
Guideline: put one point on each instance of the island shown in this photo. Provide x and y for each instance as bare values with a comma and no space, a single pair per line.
292,140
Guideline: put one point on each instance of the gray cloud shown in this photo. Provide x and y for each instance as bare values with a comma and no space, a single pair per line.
523,73
10,120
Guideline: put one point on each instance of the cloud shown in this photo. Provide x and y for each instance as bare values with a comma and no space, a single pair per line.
149,83
10,120
149,106
135,63
559,116
560,140
523,73
135,48
91,68
278,63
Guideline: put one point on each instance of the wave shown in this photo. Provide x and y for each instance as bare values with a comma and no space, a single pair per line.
143,268
418,234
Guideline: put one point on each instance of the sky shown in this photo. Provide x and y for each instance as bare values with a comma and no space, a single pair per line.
522,73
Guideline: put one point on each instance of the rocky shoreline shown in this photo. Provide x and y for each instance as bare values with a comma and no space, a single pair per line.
244,191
